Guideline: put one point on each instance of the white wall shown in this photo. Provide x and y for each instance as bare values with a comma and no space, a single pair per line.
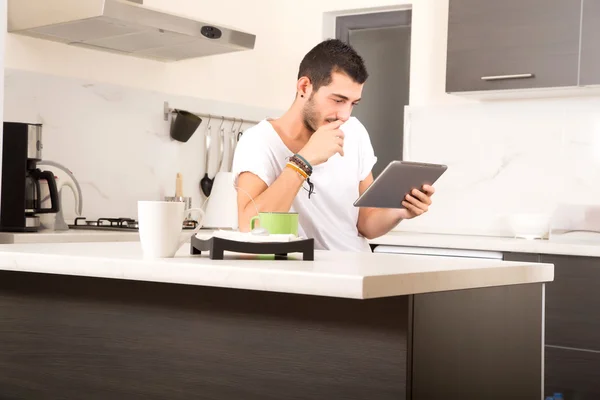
286,31
115,140
36,55
267,75
263,77
504,157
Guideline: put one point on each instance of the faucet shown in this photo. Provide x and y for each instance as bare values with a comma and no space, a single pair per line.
60,223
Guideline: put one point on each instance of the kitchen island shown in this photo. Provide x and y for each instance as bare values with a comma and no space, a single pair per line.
572,299
97,321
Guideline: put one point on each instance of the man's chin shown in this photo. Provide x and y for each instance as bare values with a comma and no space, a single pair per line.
309,126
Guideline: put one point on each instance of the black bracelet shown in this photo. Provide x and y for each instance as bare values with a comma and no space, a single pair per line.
301,164
299,161
304,160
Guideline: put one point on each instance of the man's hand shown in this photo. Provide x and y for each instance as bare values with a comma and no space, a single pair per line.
417,202
374,222
324,143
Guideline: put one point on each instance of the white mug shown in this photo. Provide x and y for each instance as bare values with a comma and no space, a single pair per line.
160,226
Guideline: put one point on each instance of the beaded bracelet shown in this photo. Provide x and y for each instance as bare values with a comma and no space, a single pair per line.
303,168
301,163
304,161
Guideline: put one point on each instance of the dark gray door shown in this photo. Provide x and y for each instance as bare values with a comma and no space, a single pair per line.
573,303
383,40
590,43
512,44
478,344
573,326
573,373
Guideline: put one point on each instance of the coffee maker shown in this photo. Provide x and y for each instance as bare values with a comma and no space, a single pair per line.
20,200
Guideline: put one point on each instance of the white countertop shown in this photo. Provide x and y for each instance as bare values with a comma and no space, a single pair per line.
336,274
68,236
74,236
576,244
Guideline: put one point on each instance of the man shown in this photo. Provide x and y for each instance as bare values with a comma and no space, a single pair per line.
316,145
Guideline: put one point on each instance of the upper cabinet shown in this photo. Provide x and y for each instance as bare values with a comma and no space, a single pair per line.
590,43
515,44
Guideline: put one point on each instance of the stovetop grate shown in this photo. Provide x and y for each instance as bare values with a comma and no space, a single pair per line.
115,224
105,224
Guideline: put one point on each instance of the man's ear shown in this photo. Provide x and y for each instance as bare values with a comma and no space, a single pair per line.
304,87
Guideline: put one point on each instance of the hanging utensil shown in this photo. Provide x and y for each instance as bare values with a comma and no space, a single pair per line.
235,137
225,147
213,169
228,148
240,133
237,133
184,124
220,150
205,182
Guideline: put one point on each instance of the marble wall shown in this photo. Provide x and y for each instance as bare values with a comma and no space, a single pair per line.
115,139
505,158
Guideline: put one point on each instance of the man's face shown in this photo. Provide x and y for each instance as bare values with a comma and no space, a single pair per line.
332,102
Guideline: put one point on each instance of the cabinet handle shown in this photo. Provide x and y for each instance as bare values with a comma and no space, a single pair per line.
501,77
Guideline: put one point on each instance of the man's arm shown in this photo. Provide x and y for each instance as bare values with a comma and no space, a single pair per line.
275,198
279,196
375,222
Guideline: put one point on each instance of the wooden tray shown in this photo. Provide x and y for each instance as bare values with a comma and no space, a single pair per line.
216,247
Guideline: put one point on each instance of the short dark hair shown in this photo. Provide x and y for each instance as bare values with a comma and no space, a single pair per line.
332,55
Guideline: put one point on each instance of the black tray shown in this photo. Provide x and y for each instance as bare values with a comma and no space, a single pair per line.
216,247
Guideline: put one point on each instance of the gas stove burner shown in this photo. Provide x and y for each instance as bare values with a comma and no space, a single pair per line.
106,224
120,222
116,224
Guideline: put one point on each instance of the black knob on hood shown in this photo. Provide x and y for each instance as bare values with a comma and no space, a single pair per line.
211,32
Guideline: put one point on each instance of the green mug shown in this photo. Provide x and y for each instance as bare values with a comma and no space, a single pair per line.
277,222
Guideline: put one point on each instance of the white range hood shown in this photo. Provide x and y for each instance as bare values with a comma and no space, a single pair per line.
125,27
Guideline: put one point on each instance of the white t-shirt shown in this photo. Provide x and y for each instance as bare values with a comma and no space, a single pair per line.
329,216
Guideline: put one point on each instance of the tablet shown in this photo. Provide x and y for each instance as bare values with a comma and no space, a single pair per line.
396,181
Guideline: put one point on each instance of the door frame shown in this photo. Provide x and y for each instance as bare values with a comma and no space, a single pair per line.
345,23
330,17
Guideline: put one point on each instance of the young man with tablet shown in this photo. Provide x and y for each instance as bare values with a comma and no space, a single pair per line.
316,159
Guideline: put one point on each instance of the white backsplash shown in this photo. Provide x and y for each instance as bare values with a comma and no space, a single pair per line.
505,158
114,139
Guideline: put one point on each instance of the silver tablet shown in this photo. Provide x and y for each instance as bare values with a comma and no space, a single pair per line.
396,181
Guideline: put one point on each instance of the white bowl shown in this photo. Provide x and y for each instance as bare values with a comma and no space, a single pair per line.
529,225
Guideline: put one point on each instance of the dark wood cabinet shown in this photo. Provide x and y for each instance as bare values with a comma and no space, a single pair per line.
71,337
462,318
590,43
68,337
573,302
512,44
572,325
572,373
525,257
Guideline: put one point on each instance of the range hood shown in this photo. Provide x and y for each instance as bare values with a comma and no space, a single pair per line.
125,27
